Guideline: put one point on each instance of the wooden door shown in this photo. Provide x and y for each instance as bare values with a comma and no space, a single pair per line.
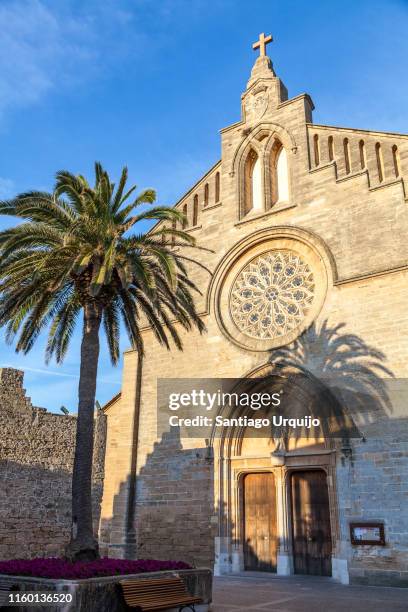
260,548
311,523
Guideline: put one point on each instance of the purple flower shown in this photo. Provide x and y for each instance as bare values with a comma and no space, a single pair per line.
54,567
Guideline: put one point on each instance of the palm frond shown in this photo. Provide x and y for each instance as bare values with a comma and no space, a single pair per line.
79,245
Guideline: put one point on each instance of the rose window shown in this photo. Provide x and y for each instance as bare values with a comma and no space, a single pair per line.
272,295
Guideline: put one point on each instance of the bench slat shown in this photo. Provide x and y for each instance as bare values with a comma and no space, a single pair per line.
150,599
156,597
147,594
160,599
151,580
161,596
165,600
164,606
157,593
155,588
160,587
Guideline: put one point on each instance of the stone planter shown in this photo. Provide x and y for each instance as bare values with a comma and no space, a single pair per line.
101,594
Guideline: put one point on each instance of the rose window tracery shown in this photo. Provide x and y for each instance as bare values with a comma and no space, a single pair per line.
272,295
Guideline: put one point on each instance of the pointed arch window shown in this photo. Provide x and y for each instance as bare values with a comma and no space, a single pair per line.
185,220
363,157
380,163
282,177
316,149
217,187
346,147
256,186
206,194
330,144
396,160
253,183
279,174
195,210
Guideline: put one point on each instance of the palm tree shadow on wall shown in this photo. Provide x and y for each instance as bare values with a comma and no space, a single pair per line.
175,515
349,375
171,517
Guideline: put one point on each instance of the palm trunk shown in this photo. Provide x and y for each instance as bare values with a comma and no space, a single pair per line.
83,545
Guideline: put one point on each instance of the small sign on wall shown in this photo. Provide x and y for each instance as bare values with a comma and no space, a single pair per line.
369,534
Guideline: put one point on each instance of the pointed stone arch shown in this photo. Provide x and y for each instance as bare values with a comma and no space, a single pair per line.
261,139
257,133
231,465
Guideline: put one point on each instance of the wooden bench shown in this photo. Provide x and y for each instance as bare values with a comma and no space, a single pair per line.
158,594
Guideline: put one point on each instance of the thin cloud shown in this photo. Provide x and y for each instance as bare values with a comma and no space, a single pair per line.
63,374
45,46
32,46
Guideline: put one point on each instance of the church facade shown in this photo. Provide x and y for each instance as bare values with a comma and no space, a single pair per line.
307,228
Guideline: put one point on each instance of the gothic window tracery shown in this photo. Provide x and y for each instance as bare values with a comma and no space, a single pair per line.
265,176
272,295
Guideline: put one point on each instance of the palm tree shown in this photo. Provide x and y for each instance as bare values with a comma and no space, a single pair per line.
75,253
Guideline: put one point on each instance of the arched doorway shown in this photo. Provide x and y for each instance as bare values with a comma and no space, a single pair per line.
264,491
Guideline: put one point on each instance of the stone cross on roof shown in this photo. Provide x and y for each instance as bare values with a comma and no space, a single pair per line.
261,43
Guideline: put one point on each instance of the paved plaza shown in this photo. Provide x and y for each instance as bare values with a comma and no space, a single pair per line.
268,593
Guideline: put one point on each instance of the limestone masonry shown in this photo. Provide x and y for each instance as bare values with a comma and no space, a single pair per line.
308,227
36,459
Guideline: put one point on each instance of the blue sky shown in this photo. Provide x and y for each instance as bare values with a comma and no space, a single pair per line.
148,83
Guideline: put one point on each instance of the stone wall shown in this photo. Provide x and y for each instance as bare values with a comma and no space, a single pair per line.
373,487
174,504
174,507
36,459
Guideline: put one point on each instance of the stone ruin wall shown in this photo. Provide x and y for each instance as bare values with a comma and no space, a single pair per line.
36,460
